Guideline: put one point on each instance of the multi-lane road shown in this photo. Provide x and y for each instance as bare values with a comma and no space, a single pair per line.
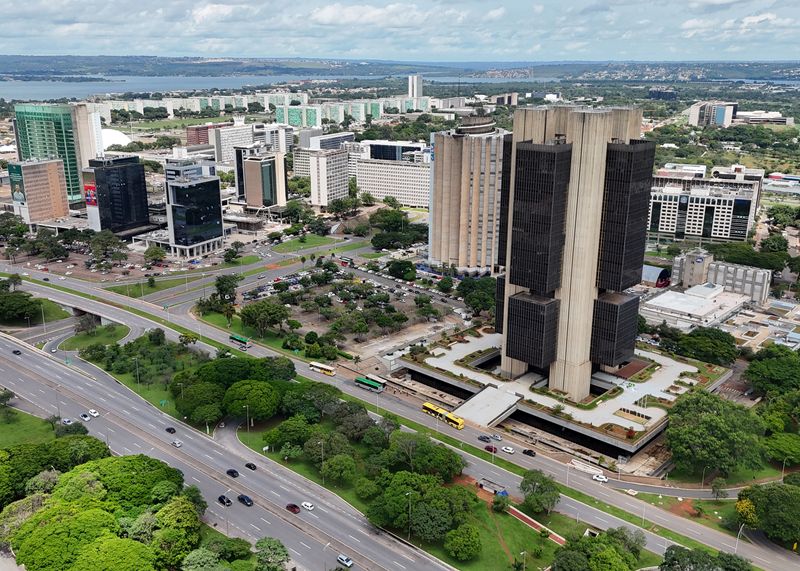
765,556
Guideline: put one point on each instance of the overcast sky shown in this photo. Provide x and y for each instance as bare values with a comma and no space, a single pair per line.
420,30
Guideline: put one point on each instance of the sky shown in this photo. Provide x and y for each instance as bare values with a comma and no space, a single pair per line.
414,30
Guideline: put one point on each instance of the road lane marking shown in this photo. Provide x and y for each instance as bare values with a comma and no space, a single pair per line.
254,526
354,538
314,515
298,553
284,488
323,510
265,521
364,532
304,545
110,429
274,492
136,444
207,456
125,411
218,452
396,563
196,480
101,399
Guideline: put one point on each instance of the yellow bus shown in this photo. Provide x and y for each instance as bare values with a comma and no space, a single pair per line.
436,411
324,369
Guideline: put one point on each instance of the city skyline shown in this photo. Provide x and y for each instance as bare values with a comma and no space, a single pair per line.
438,31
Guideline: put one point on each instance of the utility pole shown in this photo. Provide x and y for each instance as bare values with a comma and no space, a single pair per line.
246,407
44,321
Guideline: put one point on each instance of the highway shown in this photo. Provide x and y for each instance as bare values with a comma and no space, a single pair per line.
766,557
131,426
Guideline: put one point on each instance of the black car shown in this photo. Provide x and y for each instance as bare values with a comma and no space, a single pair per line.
245,500
170,429
224,500
484,438
294,508
529,452
46,279
17,352
250,466
232,473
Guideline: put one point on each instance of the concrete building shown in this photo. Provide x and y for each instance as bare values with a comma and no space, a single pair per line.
279,137
264,180
198,134
762,118
299,115
415,85
572,237
194,210
226,138
698,267
38,189
71,133
448,102
116,195
408,182
301,165
704,305
712,113
304,136
466,180
331,140
328,172
390,150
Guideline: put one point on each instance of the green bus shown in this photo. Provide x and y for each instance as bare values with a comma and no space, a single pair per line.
241,340
371,383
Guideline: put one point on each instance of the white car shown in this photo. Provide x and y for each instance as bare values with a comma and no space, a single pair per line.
93,412
177,443
507,449
54,350
496,437
62,278
85,417
345,560
308,505
599,478
66,421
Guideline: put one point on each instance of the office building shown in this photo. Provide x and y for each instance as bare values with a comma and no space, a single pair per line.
38,189
226,138
330,141
466,179
390,150
712,114
304,137
761,117
699,267
240,153
328,172
116,194
198,134
572,239
194,210
301,165
264,179
68,132
300,115
278,137
662,93
703,305
415,85
407,181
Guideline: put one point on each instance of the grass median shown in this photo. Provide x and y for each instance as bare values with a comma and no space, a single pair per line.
107,335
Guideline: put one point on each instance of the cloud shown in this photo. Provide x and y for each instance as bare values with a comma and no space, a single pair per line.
538,8
574,46
391,15
496,14
211,12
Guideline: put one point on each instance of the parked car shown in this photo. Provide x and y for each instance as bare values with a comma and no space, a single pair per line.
66,421
224,500
492,449
294,508
529,452
245,500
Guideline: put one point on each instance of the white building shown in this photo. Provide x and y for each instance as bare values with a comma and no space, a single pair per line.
415,85
712,113
328,171
279,137
331,140
698,266
408,182
704,305
226,138
302,162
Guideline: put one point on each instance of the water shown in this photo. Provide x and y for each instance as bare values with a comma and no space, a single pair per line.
466,79
44,90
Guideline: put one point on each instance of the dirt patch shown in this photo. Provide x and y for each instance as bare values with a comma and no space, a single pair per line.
684,509
635,366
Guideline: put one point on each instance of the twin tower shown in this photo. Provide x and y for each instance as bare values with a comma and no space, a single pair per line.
576,189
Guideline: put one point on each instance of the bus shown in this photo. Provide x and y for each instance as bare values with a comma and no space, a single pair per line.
436,411
241,340
320,368
368,383
346,261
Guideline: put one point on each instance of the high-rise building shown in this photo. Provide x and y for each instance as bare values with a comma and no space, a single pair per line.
573,229
415,85
198,134
465,196
328,171
194,211
240,153
712,113
407,181
68,132
278,137
38,189
116,194
331,140
226,138
264,180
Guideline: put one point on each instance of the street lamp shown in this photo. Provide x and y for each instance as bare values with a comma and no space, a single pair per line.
408,495
783,468
568,467
247,413
736,547
322,472
181,386
524,556
138,386
703,479
44,321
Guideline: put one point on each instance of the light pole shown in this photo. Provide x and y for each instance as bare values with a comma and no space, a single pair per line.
321,471
644,507
181,386
568,467
138,386
736,547
524,556
783,468
44,321
247,414
408,495
141,288
703,478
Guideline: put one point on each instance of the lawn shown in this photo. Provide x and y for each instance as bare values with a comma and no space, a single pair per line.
176,123
345,248
741,476
243,261
24,428
272,340
141,288
295,245
710,513
106,335
373,255
52,312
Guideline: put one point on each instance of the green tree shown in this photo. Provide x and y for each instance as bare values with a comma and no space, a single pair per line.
718,486
777,510
540,491
500,503
340,469
154,253
775,370
201,559
271,555
445,285
463,543
264,314
293,430
151,282
115,554
774,243
569,560
195,496
402,269
710,345
392,202
257,397
226,286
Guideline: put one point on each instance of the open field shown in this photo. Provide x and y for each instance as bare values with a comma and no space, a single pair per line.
104,335
295,245
141,288
24,428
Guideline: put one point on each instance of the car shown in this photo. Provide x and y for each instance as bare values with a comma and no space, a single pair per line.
17,352
345,560
600,478
244,500
66,421
308,506
484,438
54,350
232,473
261,276
62,278
45,279
529,452
250,466
177,443
170,429
508,449
85,417
294,508
497,437
492,449
224,500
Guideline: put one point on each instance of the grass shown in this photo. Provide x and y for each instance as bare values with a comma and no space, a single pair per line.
345,248
295,245
52,312
174,123
107,335
24,428
271,340
741,476
711,513
373,255
138,289
243,261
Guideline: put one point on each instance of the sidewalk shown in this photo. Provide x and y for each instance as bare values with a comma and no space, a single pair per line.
532,523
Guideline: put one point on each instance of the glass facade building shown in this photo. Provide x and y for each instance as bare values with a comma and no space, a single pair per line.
116,194
196,211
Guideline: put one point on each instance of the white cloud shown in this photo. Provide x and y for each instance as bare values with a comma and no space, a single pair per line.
573,46
496,14
538,8
389,16
211,12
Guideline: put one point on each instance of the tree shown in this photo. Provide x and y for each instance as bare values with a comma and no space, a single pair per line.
154,253
201,559
569,560
290,452
260,399
774,369
500,503
777,510
706,430
115,554
271,555
774,243
679,558
463,543
187,339
402,269
106,245
226,286
18,305
151,282
229,548
479,301
264,314
392,202
540,491
230,255
710,345
445,284
293,430
367,199
718,488
194,495
14,280
340,469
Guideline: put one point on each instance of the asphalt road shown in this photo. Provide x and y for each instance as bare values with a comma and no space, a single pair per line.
131,426
765,556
